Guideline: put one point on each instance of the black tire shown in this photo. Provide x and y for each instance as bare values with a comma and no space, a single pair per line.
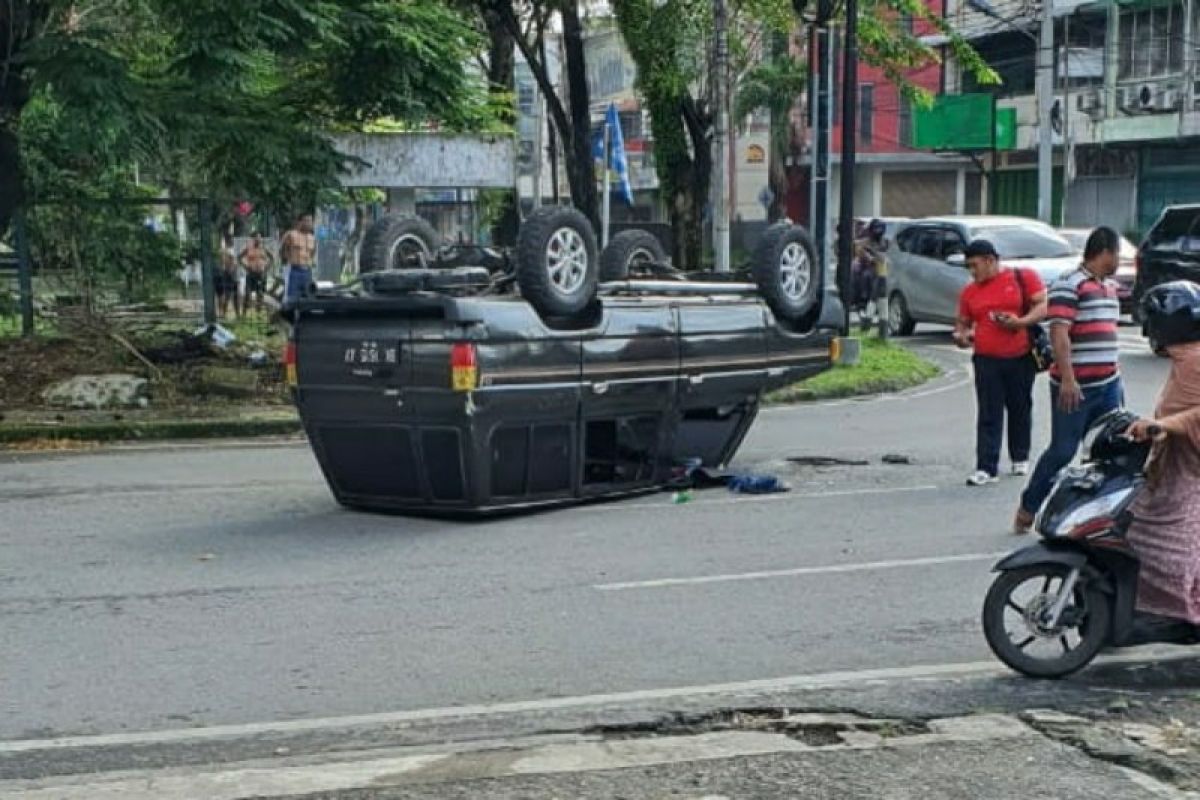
626,251
557,268
900,322
1093,630
785,269
396,242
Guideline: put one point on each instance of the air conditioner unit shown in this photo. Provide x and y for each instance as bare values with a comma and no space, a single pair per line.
1089,102
1168,99
1138,98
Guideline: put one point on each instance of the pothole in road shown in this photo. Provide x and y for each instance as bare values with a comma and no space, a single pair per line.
813,728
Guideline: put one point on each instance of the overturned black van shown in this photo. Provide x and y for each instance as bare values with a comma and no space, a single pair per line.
430,388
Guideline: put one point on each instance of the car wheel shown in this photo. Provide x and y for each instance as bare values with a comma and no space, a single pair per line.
398,242
630,253
900,322
785,269
557,268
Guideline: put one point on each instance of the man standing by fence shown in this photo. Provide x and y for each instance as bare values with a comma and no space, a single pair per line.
297,250
256,260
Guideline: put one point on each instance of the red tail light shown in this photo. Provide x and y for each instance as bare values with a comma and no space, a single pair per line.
289,363
464,368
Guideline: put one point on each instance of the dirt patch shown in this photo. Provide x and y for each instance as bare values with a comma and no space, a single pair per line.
179,369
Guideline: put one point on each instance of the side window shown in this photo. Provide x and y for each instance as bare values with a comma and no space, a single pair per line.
1191,242
1174,231
929,243
952,243
906,238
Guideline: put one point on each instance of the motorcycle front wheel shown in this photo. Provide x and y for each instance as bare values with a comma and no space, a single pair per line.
1015,621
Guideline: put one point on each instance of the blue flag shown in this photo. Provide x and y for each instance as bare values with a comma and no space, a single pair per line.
616,152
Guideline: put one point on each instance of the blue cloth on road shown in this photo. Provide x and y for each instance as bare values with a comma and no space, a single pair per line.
755,484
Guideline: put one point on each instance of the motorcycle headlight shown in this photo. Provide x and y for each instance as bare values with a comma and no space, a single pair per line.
1103,507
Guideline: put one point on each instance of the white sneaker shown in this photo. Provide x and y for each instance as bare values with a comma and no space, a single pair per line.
981,478
1020,468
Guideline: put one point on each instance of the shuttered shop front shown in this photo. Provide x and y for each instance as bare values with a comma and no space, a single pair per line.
919,194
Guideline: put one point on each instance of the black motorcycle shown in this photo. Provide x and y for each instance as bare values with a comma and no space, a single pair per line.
1058,603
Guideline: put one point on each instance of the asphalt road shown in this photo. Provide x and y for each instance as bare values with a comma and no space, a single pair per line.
161,589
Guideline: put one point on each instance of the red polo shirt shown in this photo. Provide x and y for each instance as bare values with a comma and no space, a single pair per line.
979,301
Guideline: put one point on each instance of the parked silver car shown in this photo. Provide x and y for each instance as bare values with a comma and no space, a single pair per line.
928,269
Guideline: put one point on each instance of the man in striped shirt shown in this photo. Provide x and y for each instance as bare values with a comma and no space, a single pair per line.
1085,381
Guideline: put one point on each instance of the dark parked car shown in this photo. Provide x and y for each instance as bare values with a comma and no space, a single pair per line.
1170,251
444,390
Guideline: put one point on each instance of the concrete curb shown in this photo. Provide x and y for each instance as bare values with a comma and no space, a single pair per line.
156,430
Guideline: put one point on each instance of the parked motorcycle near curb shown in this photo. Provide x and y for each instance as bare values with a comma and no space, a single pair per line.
1056,604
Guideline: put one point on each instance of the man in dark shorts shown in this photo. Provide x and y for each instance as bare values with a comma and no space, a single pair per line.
257,261
225,280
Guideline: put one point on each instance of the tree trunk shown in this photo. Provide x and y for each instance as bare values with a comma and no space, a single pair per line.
501,66
580,170
10,177
575,128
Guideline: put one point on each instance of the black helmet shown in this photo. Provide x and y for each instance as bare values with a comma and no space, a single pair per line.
1106,441
1171,312
877,227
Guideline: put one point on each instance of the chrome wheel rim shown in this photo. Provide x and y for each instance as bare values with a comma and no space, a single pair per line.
409,251
567,260
795,271
895,315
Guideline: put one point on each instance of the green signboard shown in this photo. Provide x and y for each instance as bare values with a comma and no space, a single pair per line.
963,122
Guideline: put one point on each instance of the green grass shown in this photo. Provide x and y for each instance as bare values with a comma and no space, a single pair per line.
884,367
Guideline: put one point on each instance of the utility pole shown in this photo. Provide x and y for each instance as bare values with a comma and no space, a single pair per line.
849,155
1045,100
720,173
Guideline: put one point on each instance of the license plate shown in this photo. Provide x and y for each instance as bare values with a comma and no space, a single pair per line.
370,353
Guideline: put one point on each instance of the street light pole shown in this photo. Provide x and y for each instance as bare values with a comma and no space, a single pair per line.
720,172
849,153
1045,101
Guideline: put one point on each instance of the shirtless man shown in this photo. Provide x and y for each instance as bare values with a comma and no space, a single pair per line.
225,282
256,260
297,250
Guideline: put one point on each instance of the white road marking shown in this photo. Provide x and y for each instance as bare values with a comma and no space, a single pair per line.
826,680
866,566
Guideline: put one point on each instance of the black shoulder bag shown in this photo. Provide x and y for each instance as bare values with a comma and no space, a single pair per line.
1040,349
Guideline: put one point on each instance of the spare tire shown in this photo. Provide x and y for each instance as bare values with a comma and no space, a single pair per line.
628,252
398,242
785,269
556,261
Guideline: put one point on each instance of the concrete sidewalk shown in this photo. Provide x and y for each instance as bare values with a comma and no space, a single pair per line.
754,754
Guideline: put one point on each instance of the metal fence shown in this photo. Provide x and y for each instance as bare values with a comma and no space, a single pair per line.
117,257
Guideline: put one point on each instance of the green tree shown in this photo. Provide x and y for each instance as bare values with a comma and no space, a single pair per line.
234,98
669,41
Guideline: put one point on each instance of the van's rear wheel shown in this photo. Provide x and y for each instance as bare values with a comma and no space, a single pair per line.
398,242
630,253
557,268
785,269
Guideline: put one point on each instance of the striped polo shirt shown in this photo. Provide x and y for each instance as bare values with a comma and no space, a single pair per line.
1089,305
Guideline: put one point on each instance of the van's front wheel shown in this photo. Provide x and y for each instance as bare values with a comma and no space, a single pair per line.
1016,623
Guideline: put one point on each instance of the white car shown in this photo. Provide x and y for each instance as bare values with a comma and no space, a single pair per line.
928,268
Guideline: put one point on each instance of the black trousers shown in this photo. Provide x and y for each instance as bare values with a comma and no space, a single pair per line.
1003,384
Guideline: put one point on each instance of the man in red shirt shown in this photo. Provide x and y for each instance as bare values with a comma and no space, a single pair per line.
995,312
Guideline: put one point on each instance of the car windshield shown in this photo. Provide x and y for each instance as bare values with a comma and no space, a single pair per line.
1078,240
1025,242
